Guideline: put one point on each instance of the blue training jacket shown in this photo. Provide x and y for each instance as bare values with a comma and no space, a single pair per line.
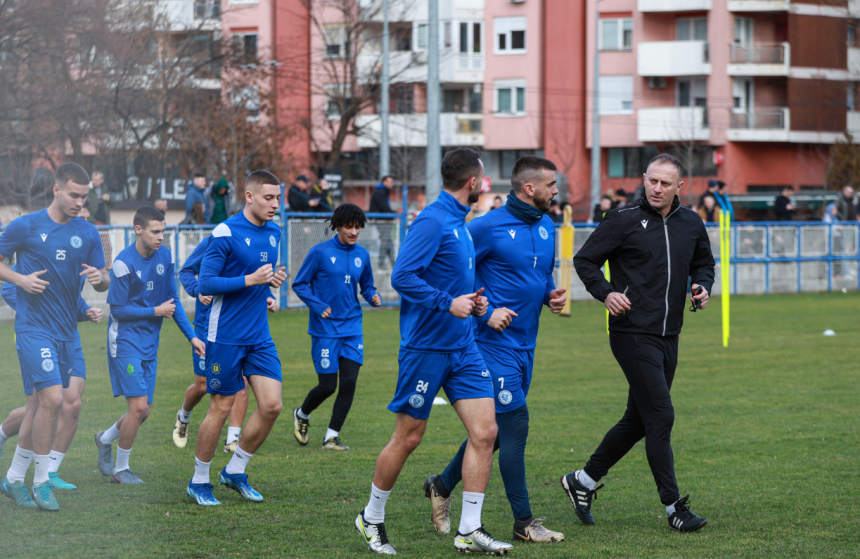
435,265
188,278
514,262
327,279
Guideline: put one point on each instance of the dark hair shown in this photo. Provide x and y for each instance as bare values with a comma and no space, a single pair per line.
71,172
347,215
199,175
88,205
666,158
145,214
259,178
527,167
458,166
383,179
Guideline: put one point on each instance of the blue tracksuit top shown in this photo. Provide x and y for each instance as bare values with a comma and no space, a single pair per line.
435,265
327,279
188,278
513,263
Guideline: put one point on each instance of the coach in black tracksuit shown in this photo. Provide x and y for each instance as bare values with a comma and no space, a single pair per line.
653,247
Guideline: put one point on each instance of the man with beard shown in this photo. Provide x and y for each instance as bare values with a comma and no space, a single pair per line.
514,261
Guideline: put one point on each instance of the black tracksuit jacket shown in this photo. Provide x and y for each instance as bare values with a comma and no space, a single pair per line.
650,258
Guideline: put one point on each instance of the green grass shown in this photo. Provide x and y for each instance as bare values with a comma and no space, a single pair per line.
766,439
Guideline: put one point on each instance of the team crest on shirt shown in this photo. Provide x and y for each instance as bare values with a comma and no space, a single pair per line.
272,241
505,397
416,400
214,384
325,363
357,262
159,269
543,233
47,365
76,242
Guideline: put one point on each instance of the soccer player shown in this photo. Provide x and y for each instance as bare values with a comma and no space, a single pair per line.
326,283
142,294
195,392
514,261
237,271
435,276
653,249
53,249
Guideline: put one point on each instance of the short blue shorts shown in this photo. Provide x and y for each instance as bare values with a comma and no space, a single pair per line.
79,369
326,352
226,364
199,362
45,361
511,373
462,374
132,377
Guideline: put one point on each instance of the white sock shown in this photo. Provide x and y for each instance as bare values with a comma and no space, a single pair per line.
201,471
56,460
184,416
20,464
121,459
670,510
3,437
233,434
41,462
302,414
330,433
374,512
110,435
470,518
585,480
239,461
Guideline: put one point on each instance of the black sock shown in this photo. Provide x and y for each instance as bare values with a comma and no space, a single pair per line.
519,524
345,394
318,394
440,487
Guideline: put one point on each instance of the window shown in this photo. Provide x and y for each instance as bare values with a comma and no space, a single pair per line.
334,39
691,92
691,29
743,31
452,100
401,37
508,158
616,95
338,96
616,34
510,35
403,98
447,35
421,36
244,47
204,9
628,162
470,38
851,99
511,97
249,97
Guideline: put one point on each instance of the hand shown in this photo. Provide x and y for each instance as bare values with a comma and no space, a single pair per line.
94,315
314,202
204,299
501,318
106,197
617,303
557,300
326,313
32,284
199,347
462,306
702,297
94,276
376,300
262,276
279,277
272,304
481,303
165,309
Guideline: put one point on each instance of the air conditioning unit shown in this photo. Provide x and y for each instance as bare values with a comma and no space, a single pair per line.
656,83
516,1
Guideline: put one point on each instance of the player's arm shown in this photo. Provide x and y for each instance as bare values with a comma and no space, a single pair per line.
480,230
120,306
9,293
95,271
302,283
368,290
589,261
11,240
210,280
179,316
191,269
417,252
554,298
702,267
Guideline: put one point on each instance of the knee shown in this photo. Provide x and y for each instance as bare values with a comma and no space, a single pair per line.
664,418
221,405
140,411
271,410
72,407
51,400
200,385
411,441
486,437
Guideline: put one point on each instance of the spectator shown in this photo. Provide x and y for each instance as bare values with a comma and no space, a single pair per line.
723,199
299,197
638,194
555,213
161,205
783,207
830,214
711,191
320,191
379,200
613,198
708,210
86,210
845,210
197,216
219,202
196,193
622,198
497,203
99,199
604,206
379,204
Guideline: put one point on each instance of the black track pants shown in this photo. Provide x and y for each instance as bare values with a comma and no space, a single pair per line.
648,362
348,372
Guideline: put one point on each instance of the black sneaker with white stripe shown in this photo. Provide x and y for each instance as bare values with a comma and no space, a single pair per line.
580,496
683,518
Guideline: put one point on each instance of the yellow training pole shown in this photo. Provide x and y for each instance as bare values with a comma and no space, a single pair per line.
724,277
568,234
729,277
606,272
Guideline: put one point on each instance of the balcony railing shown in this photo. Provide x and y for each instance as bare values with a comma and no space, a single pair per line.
759,119
473,62
470,125
673,58
760,53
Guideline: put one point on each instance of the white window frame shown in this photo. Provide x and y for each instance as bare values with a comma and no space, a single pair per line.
513,86
614,103
505,26
244,1
620,32
341,90
329,33
691,21
416,36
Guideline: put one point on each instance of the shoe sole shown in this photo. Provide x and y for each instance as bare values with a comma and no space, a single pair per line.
26,506
226,484
499,553
519,538
428,488
573,501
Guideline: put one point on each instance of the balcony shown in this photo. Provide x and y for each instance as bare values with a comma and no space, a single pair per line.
853,123
761,59
410,130
673,58
759,5
673,124
458,67
769,124
403,66
674,5
853,63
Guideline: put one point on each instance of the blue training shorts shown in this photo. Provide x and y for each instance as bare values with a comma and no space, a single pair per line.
79,368
226,364
199,362
44,360
326,352
462,374
132,377
511,373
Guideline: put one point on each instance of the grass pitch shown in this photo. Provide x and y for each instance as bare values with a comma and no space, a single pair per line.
766,439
